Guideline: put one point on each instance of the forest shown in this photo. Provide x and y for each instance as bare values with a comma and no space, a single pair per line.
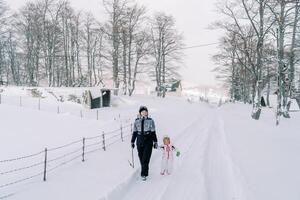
49,43
259,53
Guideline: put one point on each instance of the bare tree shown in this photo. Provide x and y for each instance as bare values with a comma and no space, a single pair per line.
140,57
9,65
48,42
261,28
265,44
131,32
167,46
3,10
252,25
92,37
282,11
115,10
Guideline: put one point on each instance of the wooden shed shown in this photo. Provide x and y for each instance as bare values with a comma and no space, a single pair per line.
99,98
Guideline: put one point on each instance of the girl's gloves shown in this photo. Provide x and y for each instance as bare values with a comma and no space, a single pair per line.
178,153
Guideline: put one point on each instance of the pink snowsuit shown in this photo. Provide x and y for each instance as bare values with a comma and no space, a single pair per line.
167,158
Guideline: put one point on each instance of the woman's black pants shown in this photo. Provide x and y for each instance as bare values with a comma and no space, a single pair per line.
144,152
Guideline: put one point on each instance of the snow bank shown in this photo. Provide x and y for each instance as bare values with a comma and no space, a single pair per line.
267,155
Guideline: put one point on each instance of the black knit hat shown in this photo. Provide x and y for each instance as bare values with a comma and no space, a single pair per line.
142,108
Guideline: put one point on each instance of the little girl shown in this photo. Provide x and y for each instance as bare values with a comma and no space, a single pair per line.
167,157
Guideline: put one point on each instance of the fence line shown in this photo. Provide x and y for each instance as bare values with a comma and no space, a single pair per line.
105,139
22,157
102,144
64,155
61,147
93,144
37,104
94,137
22,168
111,132
21,180
64,163
107,145
64,146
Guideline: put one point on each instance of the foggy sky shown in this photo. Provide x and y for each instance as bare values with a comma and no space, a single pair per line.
193,18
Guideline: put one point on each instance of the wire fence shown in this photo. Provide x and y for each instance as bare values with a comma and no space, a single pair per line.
54,106
22,157
51,159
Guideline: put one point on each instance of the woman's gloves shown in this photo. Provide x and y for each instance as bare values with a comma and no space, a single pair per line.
155,145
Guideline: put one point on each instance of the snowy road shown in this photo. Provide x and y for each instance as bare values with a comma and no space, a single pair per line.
224,154
204,171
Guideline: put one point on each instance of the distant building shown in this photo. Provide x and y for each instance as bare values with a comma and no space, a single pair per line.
174,88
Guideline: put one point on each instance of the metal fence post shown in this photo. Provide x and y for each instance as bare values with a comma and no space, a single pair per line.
81,115
0,99
57,109
45,165
83,149
97,115
20,101
103,141
39,105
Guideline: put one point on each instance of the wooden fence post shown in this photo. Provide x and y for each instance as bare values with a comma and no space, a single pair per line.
103,141
39,105
45,165
122,133
83,149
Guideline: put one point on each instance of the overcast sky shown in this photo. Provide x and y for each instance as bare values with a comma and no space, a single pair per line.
193,18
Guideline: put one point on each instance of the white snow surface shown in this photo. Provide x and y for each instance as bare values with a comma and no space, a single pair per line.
225,155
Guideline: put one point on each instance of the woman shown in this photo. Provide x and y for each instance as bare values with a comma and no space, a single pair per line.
145,136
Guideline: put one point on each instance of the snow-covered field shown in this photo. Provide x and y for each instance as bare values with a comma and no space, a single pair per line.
267,156
225,154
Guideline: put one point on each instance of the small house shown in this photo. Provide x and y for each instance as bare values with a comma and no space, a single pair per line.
174,88
97,98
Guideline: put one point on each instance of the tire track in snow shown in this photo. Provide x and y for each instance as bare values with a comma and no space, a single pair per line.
189,181
209,173
223,178
206,170
155,186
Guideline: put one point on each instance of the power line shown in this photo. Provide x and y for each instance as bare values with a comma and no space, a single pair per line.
84,56
200,45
